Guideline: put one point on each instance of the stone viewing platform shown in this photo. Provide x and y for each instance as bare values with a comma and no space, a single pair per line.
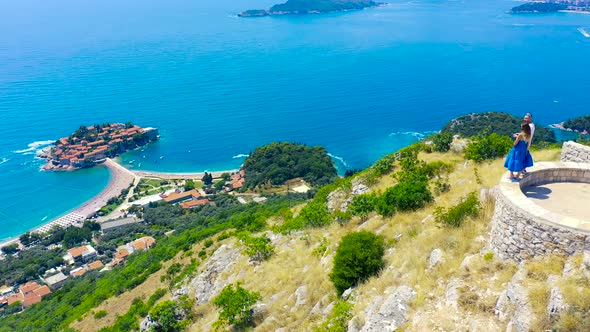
545,212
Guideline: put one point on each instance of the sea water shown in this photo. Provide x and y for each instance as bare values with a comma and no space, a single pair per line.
361,84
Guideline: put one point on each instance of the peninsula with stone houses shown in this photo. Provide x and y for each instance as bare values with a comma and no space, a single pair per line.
89,146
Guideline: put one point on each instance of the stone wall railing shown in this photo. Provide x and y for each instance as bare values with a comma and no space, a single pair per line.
522,229
572,151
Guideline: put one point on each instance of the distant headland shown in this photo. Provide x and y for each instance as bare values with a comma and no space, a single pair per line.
89,146
552,6
310,7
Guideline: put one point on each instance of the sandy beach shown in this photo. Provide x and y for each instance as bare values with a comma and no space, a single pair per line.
170,176
120,178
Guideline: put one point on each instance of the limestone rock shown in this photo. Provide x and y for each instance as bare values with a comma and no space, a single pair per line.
147,323
209,282
392,313
436,258
349,294
354,325
339,200
556,303
516,296
452,292
569,268
301,295
259,311
180,292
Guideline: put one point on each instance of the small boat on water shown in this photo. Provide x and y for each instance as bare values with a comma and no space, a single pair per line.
161,157
131,162
584,32
143,157
139,166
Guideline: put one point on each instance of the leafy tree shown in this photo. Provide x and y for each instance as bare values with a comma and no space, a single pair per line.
165,315
278,162
358,257
236,306
363,205
407,196
442,141
207,179
315,214
189,185
338,319
488,147
225,176
258,248
10,249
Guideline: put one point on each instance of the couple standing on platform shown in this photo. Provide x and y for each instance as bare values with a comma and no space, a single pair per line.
519,158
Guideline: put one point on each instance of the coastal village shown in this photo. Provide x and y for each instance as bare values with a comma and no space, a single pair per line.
188,193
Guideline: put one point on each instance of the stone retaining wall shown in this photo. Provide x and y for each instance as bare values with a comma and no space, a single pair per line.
572,151
522,229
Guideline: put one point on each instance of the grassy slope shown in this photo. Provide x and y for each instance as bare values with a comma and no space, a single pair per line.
295,262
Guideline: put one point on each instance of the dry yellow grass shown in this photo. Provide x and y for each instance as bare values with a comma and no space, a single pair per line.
297,263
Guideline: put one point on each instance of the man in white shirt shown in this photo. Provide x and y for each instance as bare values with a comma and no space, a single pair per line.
528,118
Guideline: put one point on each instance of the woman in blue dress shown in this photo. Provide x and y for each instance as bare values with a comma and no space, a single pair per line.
519,156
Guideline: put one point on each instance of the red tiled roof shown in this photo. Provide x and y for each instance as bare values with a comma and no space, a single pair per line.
77,252
143,243
78,273
42,291
28,287
95,265
15,298
121,254
193,203
31,299
183,195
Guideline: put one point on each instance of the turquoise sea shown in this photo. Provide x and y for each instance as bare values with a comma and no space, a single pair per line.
362,84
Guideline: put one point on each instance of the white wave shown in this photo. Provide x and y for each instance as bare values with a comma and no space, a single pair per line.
241,155
584,32
4,160
340,159
418,135
35,147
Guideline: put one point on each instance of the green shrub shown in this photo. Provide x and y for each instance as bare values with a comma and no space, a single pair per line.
338,319
100,314
208,243
488,256
385,164
165,314
258,248
236,307
488,147
202,254
469,207
442,141
406,196
363,205
358,257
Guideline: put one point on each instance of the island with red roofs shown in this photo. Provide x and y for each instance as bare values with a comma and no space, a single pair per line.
89,146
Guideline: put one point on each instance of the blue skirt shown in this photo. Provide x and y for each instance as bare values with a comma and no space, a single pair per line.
518,158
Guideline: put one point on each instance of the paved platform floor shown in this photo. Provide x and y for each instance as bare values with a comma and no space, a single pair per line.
565,198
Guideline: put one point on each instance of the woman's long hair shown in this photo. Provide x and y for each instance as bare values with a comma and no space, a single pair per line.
526,130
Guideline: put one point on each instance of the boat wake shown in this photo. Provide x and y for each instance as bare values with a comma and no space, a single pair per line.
418,135
35,147
584,32
4,160
241,155
340,159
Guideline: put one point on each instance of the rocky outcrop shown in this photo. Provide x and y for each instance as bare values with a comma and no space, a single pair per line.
209,282
339,200
572,151
514,304
392,313
436,258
